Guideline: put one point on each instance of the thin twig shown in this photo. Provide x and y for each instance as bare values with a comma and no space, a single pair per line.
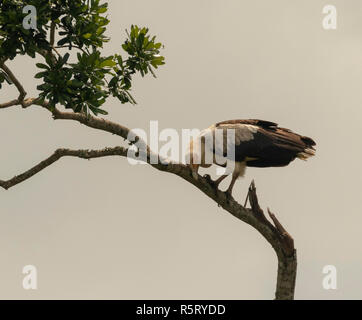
22,92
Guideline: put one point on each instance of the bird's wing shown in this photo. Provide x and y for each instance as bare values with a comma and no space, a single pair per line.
255,122
263,143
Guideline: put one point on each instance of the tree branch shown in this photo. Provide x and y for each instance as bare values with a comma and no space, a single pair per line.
26,103
93,122
9,104
59,153
275,234
52,33
73,46
18,85
283,246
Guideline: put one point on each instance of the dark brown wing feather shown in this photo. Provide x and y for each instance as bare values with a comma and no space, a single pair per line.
277,147
271,145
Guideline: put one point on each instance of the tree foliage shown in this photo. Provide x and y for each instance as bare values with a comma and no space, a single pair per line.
84,81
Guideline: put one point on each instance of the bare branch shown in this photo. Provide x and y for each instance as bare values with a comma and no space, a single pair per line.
52,33
26,103
284,235
93,122
279,239
73,46
257,211
283,245
9,104
18,85
59,153
254,217
87,120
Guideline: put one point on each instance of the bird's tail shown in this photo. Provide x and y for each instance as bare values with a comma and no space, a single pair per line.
306,153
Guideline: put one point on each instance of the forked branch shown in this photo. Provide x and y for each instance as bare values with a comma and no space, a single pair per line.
22,93
275,234
284,248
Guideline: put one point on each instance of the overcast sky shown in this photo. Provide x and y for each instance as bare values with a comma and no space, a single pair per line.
105,229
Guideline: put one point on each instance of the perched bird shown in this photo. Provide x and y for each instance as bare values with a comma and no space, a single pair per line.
255,143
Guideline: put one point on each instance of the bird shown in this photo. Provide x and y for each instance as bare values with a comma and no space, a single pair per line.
251,142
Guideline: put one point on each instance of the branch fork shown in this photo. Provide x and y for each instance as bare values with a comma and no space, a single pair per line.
286,253
274,233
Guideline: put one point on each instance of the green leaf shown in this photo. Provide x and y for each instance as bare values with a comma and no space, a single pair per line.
65,58
42,66
102,10
63,41
101,111
113,81
41,74
76,83
100,31
107,63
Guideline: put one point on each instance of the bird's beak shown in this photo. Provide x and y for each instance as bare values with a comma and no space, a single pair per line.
195,169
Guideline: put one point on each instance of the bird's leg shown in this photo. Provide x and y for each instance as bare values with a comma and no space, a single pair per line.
194,170
231,186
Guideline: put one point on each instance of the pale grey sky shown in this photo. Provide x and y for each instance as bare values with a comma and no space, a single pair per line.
104,229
